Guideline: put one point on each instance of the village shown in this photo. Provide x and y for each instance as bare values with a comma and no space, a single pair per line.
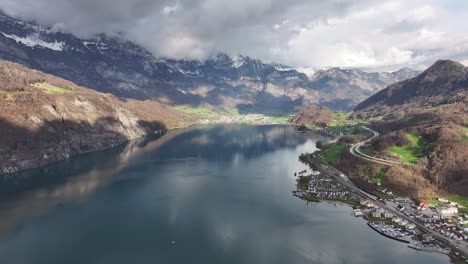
244,119
441,215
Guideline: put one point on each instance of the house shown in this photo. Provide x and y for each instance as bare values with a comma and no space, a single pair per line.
388,214
376,214
403,200
443,200
448,212
358,212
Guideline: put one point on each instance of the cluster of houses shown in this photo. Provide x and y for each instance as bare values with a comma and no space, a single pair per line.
254,118
381,213
444,218
326,188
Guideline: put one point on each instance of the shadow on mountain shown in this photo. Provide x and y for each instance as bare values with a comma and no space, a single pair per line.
268,104
28,146
339,104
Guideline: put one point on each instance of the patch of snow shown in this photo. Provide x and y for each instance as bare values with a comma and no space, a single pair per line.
283,68
33,41
86,43
307,71
188,72
239,61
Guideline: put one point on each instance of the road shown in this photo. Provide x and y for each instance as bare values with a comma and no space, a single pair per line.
356,151
334,174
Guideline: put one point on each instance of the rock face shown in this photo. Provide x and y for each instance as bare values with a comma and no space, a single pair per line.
445,81
45,119
127,70
343,88
313,115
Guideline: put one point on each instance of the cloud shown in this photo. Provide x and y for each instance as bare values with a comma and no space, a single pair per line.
346,33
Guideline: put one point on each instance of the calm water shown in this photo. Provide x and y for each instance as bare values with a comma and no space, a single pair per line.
206,195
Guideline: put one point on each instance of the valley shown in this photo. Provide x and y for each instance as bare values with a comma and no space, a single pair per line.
202,146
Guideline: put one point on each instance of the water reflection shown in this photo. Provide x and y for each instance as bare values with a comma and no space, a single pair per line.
31,192
203,195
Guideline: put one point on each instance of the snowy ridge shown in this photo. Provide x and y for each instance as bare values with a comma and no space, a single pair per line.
238,61
33,41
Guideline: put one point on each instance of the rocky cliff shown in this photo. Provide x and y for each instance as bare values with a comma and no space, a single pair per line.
44,118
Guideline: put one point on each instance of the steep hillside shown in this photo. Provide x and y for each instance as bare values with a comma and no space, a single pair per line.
423,123
127,70
45,119
313,115
346,87
444,82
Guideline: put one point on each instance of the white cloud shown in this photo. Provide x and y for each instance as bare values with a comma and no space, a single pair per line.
346,33
393,34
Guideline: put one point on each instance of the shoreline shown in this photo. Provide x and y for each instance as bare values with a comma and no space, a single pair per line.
369,223
453,255
164,132
449,254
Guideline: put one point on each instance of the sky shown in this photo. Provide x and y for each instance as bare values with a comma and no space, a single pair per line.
362,34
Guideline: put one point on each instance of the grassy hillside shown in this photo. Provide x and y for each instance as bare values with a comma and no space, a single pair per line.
410,154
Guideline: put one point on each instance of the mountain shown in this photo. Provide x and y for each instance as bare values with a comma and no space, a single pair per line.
313,115
113,65
44,118
423,122
445,81
349,86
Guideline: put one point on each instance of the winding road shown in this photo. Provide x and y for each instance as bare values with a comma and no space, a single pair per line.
335,174
356,151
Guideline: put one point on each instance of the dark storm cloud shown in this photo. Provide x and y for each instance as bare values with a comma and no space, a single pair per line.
351,33
180,28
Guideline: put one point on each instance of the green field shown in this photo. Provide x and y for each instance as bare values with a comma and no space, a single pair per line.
342,116
52,89
367,151
458,199
279,119
199,111
434,201
410,153
465,137
340,129
311,125
232,111
334,153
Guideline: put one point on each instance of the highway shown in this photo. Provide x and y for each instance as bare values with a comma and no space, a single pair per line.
335,174
356,151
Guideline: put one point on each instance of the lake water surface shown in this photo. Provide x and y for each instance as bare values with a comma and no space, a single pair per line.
202,195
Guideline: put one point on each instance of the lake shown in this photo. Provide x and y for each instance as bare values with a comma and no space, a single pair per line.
219,194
